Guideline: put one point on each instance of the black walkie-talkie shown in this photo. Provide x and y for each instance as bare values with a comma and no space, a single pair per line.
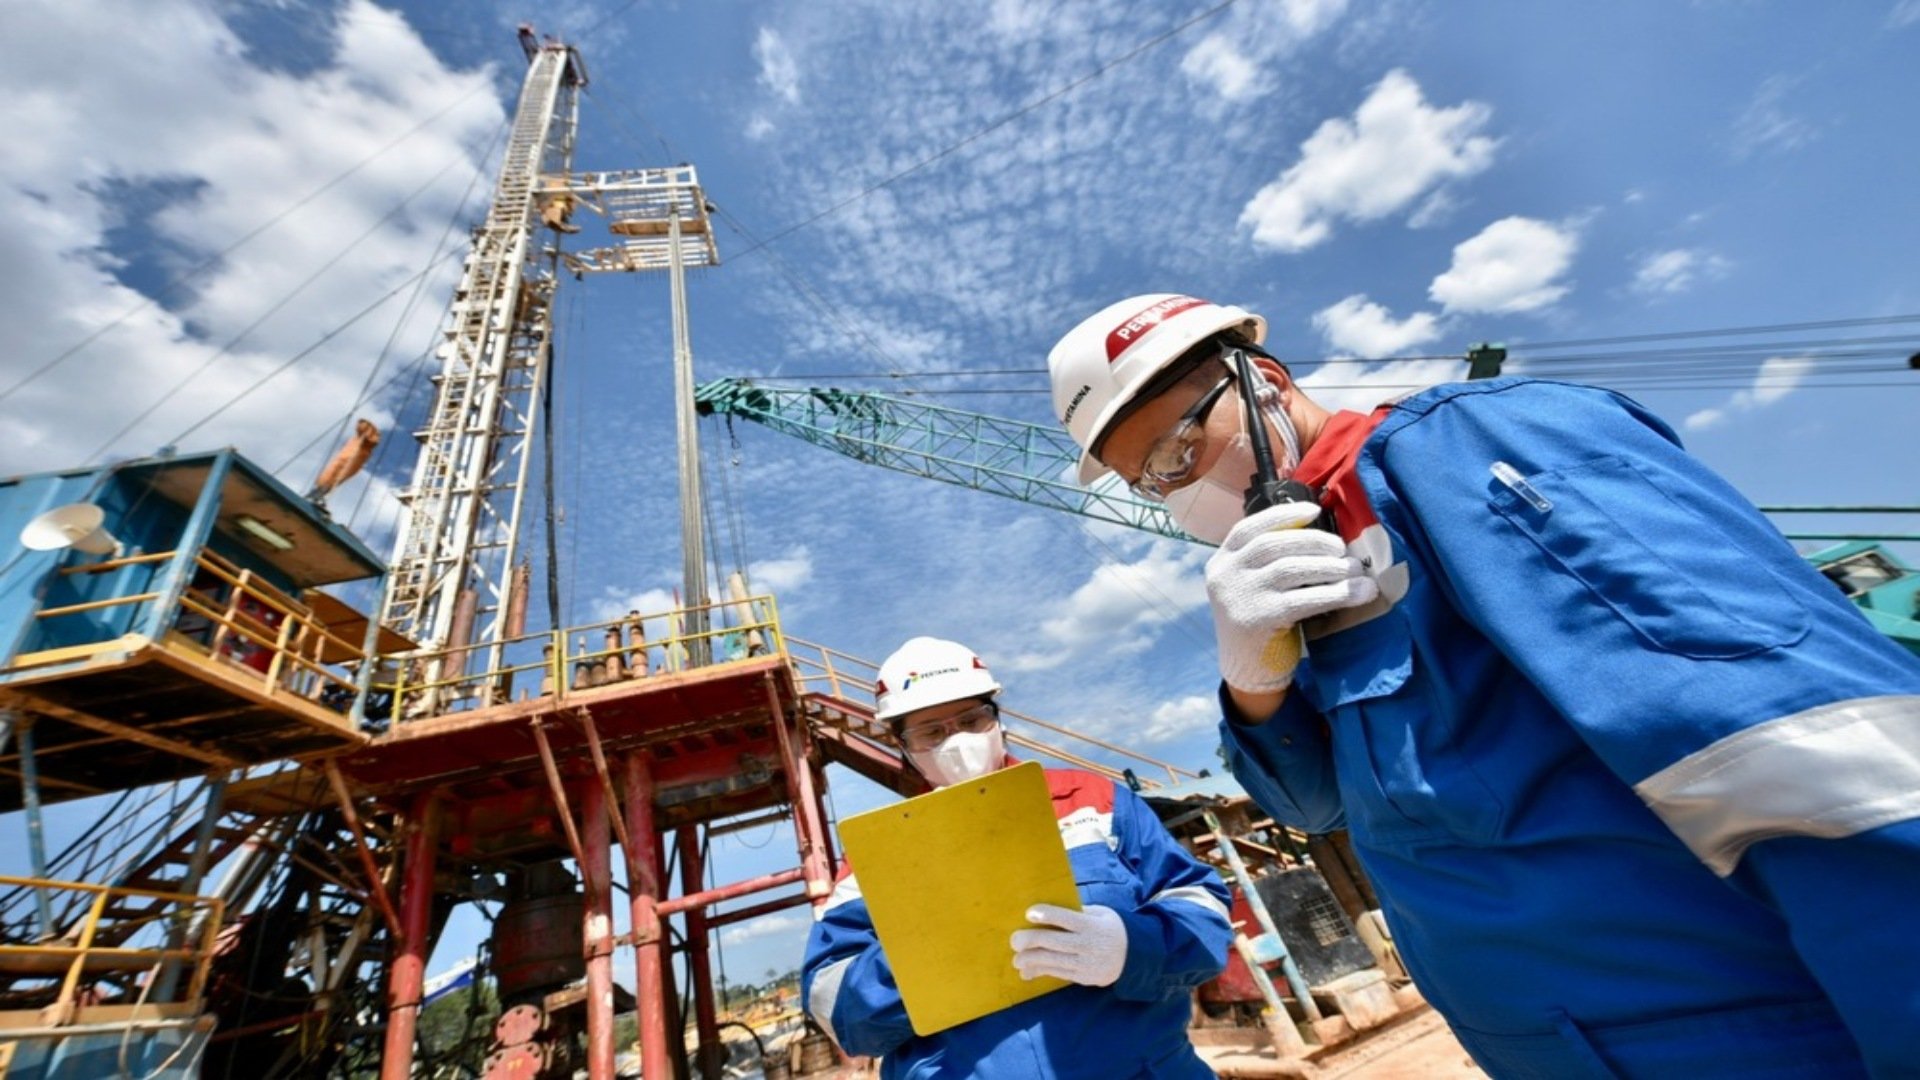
1265,488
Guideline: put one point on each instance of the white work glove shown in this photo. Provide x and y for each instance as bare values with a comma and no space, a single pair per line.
1088,947
1270,574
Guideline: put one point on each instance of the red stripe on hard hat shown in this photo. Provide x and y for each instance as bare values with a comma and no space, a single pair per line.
1134,328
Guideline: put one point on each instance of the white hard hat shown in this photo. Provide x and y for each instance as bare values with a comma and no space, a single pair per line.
928,671
1100,366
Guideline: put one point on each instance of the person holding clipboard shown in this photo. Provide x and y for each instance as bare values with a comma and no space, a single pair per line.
1152,924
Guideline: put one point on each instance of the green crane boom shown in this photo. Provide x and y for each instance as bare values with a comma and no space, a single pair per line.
1030,462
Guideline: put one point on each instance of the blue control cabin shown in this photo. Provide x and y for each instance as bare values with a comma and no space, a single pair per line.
162,618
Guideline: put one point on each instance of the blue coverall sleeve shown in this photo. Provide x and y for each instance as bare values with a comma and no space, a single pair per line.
1748,703
1285,764
846,984
1177,936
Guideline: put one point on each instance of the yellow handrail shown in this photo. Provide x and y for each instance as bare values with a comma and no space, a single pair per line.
76,954
423,676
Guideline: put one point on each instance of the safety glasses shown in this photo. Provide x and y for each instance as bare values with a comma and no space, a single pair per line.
1172,456
929,735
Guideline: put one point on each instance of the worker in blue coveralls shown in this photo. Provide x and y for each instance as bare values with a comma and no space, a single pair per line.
1639,790
1153,923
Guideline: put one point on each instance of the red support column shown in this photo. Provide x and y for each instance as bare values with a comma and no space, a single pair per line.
406,979
808,827
820,808
597,931
643,886
692,880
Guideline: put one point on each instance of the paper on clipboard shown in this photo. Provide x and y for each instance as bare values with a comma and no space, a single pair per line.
948,877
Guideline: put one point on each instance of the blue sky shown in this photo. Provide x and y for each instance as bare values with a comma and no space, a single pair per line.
1400,178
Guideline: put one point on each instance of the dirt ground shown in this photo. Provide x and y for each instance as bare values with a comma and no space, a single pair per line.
1418,1047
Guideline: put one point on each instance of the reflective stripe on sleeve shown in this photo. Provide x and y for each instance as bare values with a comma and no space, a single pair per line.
845,891
824,991
1829,772
1192,894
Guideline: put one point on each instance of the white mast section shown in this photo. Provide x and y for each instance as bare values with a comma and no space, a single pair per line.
463,509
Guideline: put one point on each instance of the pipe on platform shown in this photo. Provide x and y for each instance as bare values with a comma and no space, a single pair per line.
615,670
807,825
643,891
637,662
406,978
597,933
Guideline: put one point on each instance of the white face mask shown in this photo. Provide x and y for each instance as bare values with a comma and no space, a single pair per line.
1212,505
964,756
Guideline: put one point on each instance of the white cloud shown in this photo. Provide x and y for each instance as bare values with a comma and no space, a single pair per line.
782,575
1767,124
1309,17
759,126
1904,14
1511,266
1123,607
174,146
1777,377
1395,150
1237,62
614,602
1360,387
1218,62
1433,210
1190,715
778,71
1356,326
1667,273
780,923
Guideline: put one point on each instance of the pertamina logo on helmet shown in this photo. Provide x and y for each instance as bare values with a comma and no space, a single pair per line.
1135,328
917,676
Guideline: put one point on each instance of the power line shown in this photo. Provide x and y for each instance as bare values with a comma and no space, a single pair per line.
304,353
1676,335
416,364
406,310
214,259
271,311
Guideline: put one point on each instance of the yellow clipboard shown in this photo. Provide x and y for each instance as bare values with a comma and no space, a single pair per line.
948,877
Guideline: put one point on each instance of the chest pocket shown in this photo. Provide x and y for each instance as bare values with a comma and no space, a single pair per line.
1404,775
1102,877
1644,563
